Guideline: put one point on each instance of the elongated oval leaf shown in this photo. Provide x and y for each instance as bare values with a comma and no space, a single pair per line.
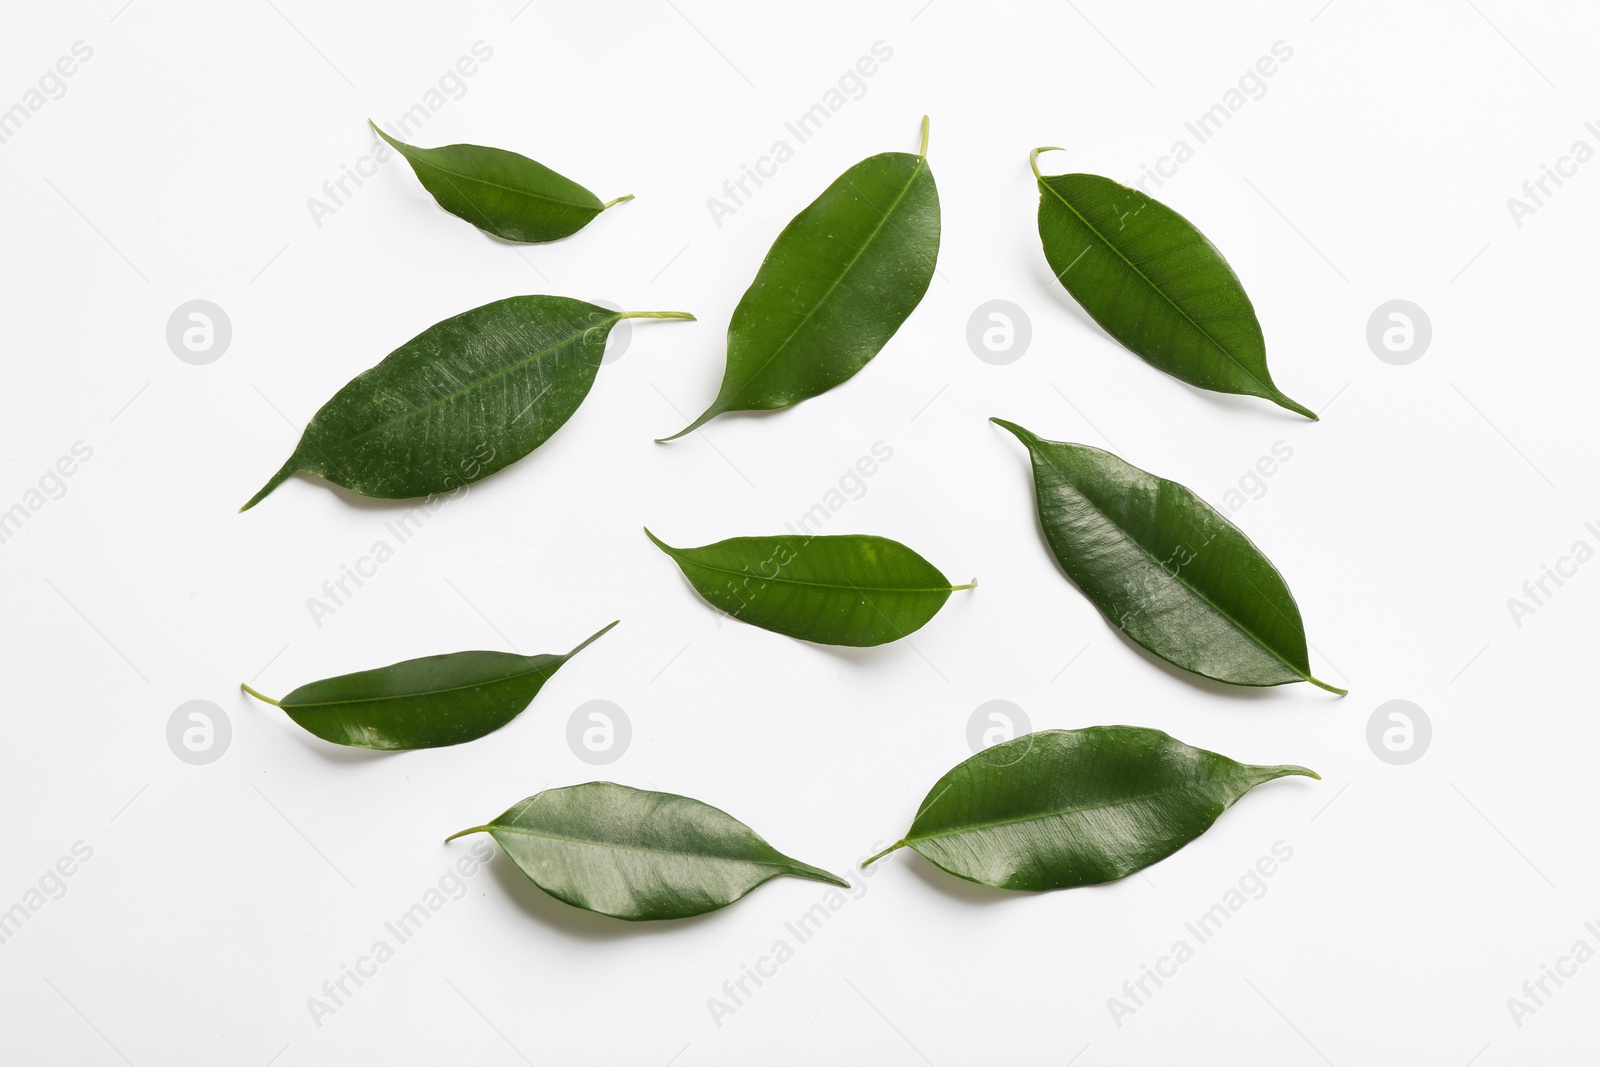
851,589
1064,808
1166,568
459,401
635,854
501,192
422,703
1153,282
837,284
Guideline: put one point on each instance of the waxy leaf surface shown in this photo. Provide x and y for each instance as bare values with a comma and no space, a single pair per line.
635,854
1166,568
459,401
838,282
429,702
850,589
501,192
1153,282
1064,808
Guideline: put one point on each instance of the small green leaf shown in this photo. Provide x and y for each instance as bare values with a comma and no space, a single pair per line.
502,193
852,589
1166,568
634,854
1064,808
422,703
838,282
1153,282
459,401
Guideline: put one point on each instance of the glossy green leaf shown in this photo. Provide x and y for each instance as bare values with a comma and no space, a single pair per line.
852,589
1064,808
1153,282
634,854
459,401
502,193
422,703
837,284
1166,568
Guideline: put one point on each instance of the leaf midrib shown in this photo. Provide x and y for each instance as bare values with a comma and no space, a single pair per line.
1267,385
470,386
922,162
995,823
816,585
496,185
422,693
641,849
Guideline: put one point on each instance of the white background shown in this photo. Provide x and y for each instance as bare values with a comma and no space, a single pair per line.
219,898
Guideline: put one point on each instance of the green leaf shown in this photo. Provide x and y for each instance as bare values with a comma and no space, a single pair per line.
837,284
1153,282
634,854
502,193
422,703
1166,568
852,589
459,401
1064,808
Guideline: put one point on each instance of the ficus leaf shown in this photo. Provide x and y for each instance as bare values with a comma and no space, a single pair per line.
1153,282
850,589
635,854
1064,808
459,401
429,702
503,193
836,285
1166,568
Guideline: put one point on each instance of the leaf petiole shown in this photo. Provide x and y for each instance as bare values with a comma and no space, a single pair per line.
655,315
618,200
464,833
259,696
869,861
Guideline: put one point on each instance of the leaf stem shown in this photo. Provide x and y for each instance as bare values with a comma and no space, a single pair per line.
874,859
655,315
259,696
464,833
970,585
1335,690
924,152
1033,159
618,200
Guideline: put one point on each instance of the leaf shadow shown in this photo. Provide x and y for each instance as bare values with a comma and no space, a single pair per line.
959,889
573,921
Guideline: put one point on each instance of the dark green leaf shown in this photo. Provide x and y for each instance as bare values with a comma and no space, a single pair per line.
837,284
1153,281
460,400
852,589
1064,808
634,854
1166,568
422,703
502,193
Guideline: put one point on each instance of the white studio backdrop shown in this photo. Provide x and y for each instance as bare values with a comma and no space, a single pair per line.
204,899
